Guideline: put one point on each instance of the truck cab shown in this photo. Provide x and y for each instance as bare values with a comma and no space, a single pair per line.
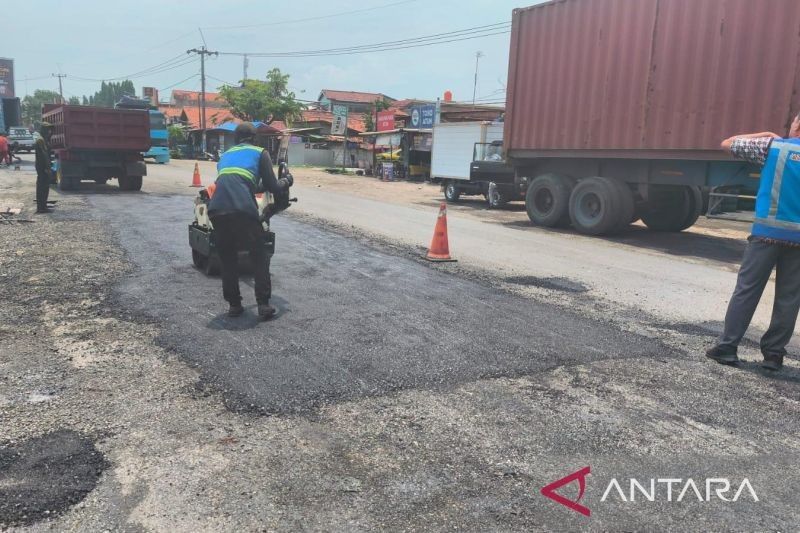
493,174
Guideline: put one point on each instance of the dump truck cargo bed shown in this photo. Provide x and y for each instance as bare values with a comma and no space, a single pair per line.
78,127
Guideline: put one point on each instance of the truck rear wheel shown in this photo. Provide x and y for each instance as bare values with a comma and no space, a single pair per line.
64,183
547,200
627,206
594,206
451,191
130,183
673,208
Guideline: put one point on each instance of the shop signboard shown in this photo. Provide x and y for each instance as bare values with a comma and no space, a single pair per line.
6,78
339,126
423,116
385,120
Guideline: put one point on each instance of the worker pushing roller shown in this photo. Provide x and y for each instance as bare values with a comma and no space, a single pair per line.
244,171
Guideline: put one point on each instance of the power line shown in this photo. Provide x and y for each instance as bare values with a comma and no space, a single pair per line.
170,64
182,81
414,42
321,17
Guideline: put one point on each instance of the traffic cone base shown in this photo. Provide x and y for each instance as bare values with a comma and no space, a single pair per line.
196,177
439,250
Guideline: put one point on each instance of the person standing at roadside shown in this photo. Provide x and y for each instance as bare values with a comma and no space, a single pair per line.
5,149
774,244
43,171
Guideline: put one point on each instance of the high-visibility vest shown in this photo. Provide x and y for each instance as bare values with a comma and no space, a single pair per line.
241,160
778,201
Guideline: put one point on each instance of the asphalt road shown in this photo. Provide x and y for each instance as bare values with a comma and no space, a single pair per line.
352,321
401,396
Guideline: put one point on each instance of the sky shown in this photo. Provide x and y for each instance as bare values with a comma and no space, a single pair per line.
98,39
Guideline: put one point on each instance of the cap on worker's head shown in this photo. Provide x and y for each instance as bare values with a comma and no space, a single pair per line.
244,131
45,126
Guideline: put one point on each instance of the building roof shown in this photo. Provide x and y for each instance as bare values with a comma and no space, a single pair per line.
212,99
214,116
353,96
355,121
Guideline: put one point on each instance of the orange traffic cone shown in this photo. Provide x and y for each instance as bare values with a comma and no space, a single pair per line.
440,249
196,177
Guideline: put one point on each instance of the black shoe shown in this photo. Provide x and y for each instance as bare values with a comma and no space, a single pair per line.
235,310
266,311
772,362
722,356
45,210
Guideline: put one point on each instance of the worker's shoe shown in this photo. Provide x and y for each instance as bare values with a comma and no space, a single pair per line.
235,310
722,355
266,311
772,362
45,210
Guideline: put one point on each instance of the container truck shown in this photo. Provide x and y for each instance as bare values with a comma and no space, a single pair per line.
97,144
616,108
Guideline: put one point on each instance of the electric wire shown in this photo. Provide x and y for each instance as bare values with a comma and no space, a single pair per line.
414,42
308,19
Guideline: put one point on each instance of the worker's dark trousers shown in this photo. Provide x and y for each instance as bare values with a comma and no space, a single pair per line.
240,232
42,191
759,260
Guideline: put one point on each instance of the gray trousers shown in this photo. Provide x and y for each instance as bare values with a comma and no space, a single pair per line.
759,260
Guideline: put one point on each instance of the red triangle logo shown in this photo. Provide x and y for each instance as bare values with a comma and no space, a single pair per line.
549,491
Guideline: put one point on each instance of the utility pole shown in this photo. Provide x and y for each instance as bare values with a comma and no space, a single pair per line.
244,68
478,56
60,88
202,52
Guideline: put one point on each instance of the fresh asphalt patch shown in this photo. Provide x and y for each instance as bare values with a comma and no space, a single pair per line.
353,321
43,476
553,284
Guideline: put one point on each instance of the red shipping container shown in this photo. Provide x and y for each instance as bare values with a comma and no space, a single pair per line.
650,78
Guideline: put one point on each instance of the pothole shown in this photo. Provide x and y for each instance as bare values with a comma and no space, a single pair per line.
554,284
43,476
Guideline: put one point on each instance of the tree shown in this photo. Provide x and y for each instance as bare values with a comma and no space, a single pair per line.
258,100
177,135
74,100
369,118
110,93
32,106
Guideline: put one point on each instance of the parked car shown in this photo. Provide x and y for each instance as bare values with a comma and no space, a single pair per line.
20,139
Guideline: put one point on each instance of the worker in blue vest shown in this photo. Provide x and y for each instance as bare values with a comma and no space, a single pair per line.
243,171
774,244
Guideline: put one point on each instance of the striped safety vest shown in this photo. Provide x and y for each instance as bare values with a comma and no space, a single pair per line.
778,201
241,160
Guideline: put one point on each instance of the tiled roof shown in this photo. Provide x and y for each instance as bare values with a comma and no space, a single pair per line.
354,96
179,95
355,121
213,116
279,125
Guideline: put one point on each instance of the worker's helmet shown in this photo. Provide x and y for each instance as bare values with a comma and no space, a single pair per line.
245,131
45,127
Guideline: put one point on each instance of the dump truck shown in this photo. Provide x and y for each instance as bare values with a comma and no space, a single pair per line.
616,109
98,144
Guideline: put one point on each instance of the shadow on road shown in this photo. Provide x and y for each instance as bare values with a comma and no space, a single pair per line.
685,244
98,188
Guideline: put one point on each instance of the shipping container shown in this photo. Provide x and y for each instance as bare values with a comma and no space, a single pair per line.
98,144
641,93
